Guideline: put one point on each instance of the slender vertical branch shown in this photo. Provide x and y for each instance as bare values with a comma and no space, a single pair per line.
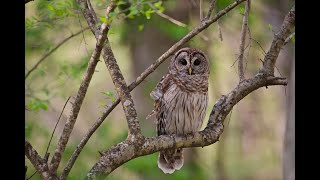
101,37
122,90
211,8
243,40
201,10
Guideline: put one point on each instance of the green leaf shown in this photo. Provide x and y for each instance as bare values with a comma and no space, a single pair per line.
37,104
159,6
108,93
270,27
103,19
148,13
242,10
141,27
133,12
293,38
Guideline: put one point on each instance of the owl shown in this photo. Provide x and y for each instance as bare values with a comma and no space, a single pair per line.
181,99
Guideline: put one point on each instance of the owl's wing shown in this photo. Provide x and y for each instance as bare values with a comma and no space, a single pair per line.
158,93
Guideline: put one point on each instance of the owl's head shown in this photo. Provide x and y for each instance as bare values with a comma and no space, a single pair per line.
188,61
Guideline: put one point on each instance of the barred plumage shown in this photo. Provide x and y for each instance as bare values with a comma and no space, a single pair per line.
181,100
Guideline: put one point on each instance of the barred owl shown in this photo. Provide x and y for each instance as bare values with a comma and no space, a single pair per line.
181,99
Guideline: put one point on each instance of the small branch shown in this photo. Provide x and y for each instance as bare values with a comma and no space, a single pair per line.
101,37
26,1
176,22
278,42
52,51
289,38
144,75
243,40
39,164
201,10
220,32
211,8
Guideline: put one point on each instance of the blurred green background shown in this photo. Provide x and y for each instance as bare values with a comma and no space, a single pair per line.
251,146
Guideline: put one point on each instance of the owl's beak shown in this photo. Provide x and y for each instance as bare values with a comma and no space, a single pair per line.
190,70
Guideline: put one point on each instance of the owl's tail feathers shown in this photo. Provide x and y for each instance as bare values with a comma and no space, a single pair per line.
170,160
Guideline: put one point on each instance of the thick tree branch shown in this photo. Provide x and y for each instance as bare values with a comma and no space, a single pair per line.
145,74
52,51
101,37
122,90
278,42
126,150
39,163
243,40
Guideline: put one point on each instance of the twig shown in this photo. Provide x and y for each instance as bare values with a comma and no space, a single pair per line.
52,51
201,10
145,74
101,37
220,32
56,125
32,175
289,38
243,40
211,8
176,22
259,45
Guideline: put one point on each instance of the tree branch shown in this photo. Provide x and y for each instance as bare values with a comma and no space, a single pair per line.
39,164
52,51
278,42
126,150
122,90
101,37
204,24
243,40
211,8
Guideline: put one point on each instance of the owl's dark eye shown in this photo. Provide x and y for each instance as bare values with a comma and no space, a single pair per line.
183,62
196,62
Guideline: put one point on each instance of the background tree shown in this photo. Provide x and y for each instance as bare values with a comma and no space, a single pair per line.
59,46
